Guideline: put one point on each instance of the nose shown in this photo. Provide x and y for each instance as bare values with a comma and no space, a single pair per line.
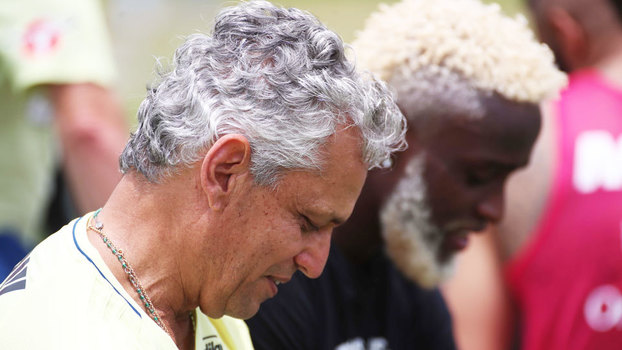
312,259
492,207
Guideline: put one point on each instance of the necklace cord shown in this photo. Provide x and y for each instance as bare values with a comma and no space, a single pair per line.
97,226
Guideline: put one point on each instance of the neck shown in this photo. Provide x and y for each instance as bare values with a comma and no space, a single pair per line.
137,220
611,65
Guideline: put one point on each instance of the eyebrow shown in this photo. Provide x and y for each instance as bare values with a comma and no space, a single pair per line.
336,220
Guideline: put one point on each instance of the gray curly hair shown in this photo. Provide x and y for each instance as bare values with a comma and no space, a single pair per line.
276,76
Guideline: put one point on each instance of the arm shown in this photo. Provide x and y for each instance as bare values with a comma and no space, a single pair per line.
69,54
92,132
478,300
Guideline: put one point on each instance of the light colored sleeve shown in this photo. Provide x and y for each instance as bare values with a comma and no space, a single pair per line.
226,332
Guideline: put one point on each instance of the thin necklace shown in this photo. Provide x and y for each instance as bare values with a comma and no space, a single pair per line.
142,293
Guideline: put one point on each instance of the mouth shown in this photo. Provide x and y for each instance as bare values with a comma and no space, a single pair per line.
457,241
468,226
457,238
275,282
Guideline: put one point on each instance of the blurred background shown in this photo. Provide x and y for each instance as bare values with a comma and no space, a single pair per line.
145,30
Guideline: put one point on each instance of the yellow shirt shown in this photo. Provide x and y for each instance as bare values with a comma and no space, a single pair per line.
63,296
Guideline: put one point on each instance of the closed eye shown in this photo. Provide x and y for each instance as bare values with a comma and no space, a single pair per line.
307,225
483,176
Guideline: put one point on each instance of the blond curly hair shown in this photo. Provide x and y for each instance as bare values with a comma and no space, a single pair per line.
445,38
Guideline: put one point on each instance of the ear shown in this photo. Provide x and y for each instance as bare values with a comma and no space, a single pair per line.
222,166
570,36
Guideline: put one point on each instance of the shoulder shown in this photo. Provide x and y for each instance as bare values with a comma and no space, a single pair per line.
416,315
420,305
36,295
223,333
48,262
583,82
65,302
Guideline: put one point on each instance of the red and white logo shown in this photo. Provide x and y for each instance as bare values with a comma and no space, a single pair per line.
41,37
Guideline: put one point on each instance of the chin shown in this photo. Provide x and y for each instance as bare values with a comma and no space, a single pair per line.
236,307
412,241
244,312
417,260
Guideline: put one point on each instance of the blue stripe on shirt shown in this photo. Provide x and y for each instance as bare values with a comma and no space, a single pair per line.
98,270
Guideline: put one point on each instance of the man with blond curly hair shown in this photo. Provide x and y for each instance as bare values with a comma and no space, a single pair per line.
469,81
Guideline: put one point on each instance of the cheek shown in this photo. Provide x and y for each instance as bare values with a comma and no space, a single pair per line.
278,240
270,234
448,196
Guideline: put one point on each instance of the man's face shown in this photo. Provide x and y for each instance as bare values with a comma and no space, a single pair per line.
454,184
269,234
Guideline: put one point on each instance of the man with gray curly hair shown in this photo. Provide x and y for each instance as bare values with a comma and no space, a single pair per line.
247,154
469,81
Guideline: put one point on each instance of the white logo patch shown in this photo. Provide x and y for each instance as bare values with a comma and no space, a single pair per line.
603,308
597,162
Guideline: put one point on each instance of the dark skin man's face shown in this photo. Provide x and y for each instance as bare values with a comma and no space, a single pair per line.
467,162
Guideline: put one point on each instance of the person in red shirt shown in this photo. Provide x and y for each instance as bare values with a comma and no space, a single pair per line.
560,243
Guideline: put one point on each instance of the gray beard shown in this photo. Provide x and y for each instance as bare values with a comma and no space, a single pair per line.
412,241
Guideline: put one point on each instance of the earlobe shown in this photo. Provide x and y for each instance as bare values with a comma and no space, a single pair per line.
222,166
